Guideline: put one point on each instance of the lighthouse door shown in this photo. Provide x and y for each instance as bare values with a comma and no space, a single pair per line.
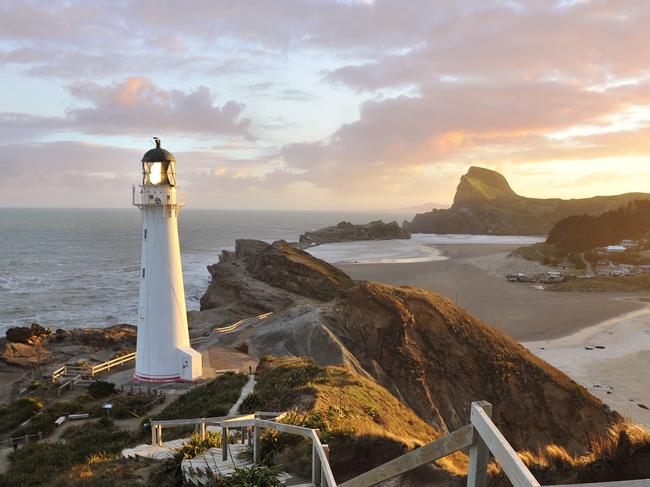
190,362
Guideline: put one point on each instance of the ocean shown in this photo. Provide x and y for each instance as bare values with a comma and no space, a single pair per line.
79,267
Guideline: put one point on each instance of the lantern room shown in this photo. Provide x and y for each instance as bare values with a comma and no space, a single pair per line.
158,167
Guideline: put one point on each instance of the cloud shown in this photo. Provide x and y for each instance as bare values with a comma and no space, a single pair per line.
138,105
134,107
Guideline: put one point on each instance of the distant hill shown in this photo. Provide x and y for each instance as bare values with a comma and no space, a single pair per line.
582,232
486,204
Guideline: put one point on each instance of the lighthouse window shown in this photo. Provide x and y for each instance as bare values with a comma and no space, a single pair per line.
145,234
143,272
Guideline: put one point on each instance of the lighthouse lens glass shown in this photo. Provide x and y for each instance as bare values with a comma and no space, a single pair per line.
156,173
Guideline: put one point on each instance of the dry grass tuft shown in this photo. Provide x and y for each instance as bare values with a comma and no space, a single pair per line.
623,455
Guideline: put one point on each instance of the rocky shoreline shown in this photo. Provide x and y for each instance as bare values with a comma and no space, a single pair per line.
29,353
349,232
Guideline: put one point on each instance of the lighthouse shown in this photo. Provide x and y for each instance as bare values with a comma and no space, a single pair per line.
163,352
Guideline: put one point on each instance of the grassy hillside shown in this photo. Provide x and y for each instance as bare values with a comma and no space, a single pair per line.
364,424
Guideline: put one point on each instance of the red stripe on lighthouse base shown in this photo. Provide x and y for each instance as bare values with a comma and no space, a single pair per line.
156,379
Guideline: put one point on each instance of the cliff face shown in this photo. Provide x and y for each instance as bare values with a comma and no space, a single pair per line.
439,359
259,277
486,204
430,354
347,232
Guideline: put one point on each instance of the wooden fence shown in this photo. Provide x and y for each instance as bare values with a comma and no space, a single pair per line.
236,326
480,438
91,371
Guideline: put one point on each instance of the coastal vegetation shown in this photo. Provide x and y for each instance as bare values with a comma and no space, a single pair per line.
623,455
578,233
362,422
209,400
631,284
549,254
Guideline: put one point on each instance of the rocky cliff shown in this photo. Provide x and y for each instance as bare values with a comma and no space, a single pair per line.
486,204
348,232
432,355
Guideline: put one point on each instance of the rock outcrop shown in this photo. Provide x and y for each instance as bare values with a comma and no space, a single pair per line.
28,352
259,277
432,355
348,232
486,204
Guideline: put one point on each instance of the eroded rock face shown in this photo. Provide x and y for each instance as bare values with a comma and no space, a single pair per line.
438,358
259,277
23,334
348,232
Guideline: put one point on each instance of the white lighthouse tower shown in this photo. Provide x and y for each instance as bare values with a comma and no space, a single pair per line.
163,352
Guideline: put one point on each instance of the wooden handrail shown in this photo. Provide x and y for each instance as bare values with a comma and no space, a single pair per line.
111,363
481,436
443,446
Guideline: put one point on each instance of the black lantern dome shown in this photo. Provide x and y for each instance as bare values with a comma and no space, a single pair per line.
158,167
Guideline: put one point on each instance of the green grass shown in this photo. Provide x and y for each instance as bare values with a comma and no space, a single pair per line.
17,412
363,423
39,463
212,399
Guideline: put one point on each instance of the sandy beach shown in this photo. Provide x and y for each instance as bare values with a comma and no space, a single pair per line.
601,340
473,277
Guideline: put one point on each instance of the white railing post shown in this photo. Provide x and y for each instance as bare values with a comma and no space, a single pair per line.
315,459
504,454
478,453
256,441
323,478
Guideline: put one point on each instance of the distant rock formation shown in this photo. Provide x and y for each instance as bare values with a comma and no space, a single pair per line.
348,232
486,204
431,354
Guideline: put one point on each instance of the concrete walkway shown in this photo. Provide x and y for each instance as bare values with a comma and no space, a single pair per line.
245,391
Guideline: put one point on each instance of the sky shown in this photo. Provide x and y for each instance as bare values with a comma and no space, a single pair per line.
322,105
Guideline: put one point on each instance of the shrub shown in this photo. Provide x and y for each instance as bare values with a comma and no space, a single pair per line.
17,412
195,446
168,473
101,389
212,399
257,475
251,403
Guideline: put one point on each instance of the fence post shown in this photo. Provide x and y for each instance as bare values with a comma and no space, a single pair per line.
478,454
323,479
202,429
256,441
224,443
160,440
315,460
